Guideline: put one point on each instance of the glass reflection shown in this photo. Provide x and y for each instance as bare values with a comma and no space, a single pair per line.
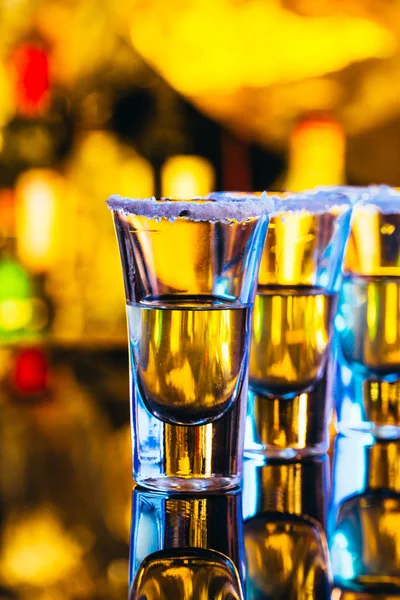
284,507
365,515
186,546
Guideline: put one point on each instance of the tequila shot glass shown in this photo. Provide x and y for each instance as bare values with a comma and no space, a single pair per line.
190,269
289,404
367,324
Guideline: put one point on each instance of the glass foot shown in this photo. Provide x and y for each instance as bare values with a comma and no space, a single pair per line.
380,432
276,453
182,484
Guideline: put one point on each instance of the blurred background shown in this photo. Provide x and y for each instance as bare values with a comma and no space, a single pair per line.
171,98
143,97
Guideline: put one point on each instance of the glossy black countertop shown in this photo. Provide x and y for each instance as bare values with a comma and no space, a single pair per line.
73,528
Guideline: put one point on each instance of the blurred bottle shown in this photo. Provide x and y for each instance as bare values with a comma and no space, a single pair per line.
284,508
316,154
186,547
365,515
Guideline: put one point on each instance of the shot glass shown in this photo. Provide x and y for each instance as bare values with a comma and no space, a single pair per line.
289,408
190,269
186,546
364,536
367,325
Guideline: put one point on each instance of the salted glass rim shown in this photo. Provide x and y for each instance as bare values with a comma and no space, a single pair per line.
314,202
382,199
216,207
353,192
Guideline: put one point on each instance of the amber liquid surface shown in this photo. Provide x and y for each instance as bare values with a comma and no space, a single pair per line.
289,338
188,356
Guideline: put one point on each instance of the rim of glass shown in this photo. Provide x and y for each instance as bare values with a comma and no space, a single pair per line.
219,207
319,200
316,201
379,199
352,191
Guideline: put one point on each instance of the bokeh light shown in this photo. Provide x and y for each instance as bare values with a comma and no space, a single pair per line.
38,194
317,154
31,371
187,177
15,292
38,550
31,73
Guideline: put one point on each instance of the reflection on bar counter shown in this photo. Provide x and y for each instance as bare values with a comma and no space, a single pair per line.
296,298
367,340
186,546
286,551
364,519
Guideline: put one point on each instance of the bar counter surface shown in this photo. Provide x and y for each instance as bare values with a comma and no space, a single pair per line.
73,528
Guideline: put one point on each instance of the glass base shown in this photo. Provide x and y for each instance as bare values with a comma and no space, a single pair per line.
182,484
288,429
366,405
380,432
276,453
188,458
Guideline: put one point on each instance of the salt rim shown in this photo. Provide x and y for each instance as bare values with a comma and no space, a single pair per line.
353,192
380,198
315,202
218,207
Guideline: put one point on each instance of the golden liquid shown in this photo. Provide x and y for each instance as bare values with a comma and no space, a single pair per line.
290,337
188,357
368,323
287,558
291,247
294,425
187,574
373,247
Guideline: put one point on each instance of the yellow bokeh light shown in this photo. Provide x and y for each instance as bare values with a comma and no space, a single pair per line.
317,155
136,178
248,44
88,265
15,314
38,194
81,39
187,177
103,166
38,551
